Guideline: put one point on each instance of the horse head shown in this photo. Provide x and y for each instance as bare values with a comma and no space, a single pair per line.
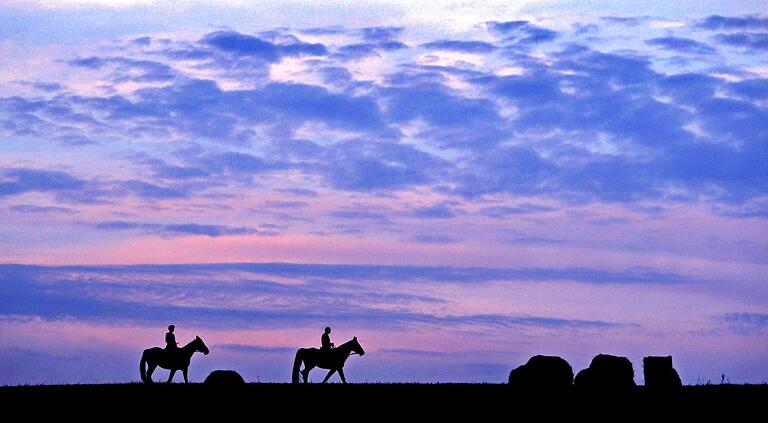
356,347
200,346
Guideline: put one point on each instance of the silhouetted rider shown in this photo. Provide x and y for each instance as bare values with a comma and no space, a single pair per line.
327,345
170,339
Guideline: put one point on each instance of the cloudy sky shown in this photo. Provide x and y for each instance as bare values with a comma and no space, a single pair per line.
460,186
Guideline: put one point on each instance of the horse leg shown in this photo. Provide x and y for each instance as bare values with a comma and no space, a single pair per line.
305,372
170,377
184,370
150,369
328,376
341,375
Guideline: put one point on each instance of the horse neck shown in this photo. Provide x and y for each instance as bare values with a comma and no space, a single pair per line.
346,348
189,348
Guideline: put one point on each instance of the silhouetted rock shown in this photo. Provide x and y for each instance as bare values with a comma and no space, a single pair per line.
224,377
660,376
607,373
542,372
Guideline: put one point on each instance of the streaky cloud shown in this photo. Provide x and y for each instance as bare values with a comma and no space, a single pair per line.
460,45
717,22
522,32
42,292
22,180
381,33
434,239
682,45
248,45
177,228
750,40
35,209
501,212
443,274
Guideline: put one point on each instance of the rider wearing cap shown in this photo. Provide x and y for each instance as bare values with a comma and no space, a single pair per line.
327,345
170,339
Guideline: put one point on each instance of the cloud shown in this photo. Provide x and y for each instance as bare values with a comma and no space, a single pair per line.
81,293
71,189
381,33
177,228
48,87
302,192
436,211
717,22
522,32
285,204
533,240
143,41
749,324
752,40
33,209
626,20
151,191
202,109
749,210
359,50
127,69
248,45
584,29
433,239
209,230
166,171
17,181
351,214
753,89
92,62
328,30
361,166
456,121
501,212
460,45
581,126
434,274
681,45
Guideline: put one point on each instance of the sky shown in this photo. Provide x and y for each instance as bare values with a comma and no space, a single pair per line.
459,186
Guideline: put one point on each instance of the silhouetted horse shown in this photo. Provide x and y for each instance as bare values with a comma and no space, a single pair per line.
171,360
333,360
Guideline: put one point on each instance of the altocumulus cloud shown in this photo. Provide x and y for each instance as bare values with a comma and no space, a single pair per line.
625,130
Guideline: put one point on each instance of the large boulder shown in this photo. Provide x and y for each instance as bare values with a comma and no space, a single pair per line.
660,376
224,377
542,372
607,373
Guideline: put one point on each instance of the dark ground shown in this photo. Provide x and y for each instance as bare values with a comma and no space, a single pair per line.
363,402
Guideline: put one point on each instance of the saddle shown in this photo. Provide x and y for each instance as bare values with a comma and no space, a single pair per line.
170,353
324,354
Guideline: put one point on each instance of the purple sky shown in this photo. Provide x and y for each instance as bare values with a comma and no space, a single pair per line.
461,188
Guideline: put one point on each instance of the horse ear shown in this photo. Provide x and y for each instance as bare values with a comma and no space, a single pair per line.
355,338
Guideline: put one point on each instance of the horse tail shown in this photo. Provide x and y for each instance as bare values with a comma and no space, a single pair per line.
296,366
142,367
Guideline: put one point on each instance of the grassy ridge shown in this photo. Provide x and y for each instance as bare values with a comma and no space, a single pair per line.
387,401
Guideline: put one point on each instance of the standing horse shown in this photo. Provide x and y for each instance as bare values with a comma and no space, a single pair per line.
333,359
171,360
